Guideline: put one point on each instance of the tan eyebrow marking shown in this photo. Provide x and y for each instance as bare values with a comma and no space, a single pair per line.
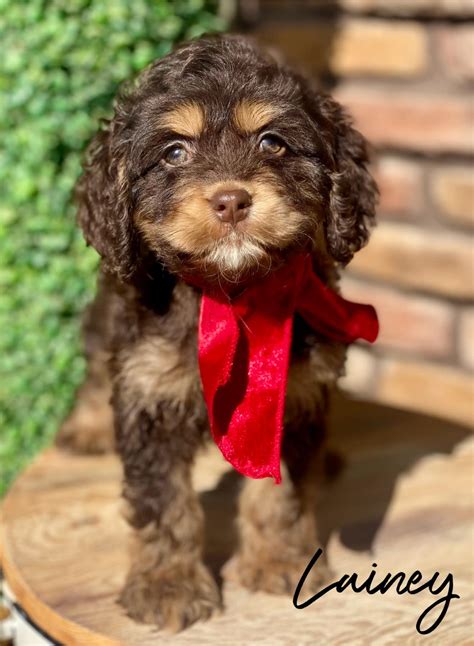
186,120
250,116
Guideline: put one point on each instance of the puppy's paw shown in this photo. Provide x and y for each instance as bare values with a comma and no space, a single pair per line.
172,599
87,431
275,575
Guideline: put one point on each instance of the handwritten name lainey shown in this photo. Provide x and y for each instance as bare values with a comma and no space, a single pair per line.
401,582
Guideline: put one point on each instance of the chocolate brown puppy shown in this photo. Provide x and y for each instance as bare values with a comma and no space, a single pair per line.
218,164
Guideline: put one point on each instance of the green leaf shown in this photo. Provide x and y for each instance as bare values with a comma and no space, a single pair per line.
62,63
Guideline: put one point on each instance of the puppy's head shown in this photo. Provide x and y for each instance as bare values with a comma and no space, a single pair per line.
220,163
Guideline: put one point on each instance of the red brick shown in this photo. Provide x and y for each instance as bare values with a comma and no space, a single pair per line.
409,323
379,47
307,44
439,262
412,7
454,46
400,119
466,338
434,8
353,48
400,184
435,389
452,190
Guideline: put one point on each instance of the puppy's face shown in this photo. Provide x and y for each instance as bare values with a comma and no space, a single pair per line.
226,163
229,186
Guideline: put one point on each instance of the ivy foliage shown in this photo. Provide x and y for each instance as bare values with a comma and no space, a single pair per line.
61,64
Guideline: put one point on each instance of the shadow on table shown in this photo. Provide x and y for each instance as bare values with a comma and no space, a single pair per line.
379,444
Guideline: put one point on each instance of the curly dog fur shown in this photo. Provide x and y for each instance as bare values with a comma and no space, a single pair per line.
217,117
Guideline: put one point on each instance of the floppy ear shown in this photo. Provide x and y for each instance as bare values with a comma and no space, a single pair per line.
103,194
354,193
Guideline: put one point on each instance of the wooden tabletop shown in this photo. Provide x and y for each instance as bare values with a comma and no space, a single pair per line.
404,500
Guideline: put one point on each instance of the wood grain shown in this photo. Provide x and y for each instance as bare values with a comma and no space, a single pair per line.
404,500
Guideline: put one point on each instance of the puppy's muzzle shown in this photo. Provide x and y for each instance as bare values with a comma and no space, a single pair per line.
232,206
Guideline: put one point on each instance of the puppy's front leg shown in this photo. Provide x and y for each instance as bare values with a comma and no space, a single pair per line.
278,530
167,584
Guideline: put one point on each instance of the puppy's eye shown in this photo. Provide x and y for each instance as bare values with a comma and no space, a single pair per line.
272,144
176,155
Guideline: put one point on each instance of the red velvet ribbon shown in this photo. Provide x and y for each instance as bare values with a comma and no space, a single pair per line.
244,349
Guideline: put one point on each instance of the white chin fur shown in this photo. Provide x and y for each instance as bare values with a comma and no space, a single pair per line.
235,257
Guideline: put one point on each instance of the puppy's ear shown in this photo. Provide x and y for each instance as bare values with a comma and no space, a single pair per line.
103,194
354,193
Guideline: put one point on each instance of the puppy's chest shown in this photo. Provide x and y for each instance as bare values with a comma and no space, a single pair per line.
163,363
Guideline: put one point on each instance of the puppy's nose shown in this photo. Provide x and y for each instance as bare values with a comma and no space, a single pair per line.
231,206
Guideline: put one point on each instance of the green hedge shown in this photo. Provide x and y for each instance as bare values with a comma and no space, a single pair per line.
61,64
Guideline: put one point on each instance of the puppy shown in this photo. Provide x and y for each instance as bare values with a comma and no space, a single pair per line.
218,164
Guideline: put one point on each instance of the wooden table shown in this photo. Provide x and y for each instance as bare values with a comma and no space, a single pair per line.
404,500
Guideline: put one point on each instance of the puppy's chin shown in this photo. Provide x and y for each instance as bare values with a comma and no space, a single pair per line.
235,259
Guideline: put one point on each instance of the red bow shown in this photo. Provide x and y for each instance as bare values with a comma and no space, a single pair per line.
244,348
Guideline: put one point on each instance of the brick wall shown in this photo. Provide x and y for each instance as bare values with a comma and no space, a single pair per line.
405,69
